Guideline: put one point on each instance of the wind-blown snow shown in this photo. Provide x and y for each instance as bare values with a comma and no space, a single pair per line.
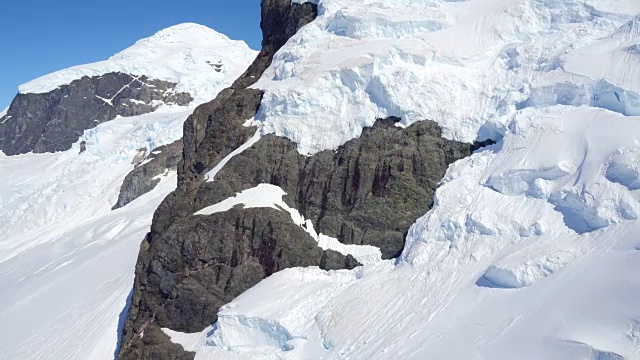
529,249
187,54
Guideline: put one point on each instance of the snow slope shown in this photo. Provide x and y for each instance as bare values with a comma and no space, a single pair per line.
187,54
492,272
66,259
531,248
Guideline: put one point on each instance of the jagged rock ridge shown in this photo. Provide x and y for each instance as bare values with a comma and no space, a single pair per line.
368,192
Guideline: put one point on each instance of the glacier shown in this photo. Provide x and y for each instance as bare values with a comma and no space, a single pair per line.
530,250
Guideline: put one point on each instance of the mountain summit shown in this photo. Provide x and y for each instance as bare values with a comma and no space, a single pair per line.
194,57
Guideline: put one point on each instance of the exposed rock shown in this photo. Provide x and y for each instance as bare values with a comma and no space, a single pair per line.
156,345
143,178
368,192
55,120
477,145
83,146
182,286
203,262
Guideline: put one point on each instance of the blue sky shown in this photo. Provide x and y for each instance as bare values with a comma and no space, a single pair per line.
41,36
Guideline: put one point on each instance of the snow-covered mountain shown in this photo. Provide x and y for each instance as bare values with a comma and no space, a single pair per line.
67,259
181,66
197,59
415,179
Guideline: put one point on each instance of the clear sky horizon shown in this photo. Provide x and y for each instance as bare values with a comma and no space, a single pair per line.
38,37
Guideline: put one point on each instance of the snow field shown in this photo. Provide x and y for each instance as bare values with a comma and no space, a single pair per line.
66,260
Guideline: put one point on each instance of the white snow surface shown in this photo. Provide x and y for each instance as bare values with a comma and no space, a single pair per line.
532,244
66,260
187,54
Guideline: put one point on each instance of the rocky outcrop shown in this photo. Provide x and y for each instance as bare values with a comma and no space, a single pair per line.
203,262
280,21
191,265
368,192
55,120
157,345
144,177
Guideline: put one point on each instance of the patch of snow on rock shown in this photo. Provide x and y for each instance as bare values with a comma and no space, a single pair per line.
267,195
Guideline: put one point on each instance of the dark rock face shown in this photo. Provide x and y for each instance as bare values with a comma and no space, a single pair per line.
203,262
142,179
158,346
53,121
368,192
191,265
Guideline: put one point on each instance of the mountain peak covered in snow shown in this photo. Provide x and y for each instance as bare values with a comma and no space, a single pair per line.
188,33
200,60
